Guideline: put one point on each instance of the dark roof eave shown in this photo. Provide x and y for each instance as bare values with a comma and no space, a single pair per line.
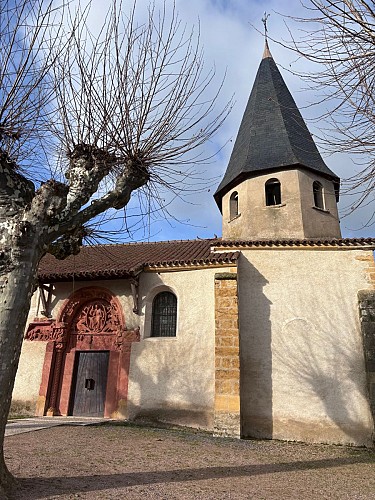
214,260
83,276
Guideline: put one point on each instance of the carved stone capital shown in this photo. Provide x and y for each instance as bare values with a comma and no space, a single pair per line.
125,337
59,335
39,330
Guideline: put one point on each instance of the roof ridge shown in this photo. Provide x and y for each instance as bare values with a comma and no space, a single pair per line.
281,108
267,52
298,242
101,245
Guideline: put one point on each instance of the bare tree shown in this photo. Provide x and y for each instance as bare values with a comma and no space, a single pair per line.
339,36
90,117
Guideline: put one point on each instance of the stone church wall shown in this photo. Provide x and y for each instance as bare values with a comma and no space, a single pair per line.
29,373
301,369
170,379
173,379
302,360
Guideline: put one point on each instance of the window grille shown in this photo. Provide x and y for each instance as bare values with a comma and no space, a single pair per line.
164,315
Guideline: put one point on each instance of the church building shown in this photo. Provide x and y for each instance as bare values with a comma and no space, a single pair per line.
267,332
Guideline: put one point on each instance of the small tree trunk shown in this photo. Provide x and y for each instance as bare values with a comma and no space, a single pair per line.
16,289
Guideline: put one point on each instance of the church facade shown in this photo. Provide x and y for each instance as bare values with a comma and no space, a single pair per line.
267,332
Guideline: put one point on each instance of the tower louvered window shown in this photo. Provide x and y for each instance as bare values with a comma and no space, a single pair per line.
164,315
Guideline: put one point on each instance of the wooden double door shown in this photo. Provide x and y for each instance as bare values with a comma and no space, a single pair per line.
89,383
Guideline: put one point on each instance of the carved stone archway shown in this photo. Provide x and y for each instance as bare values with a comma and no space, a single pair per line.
91,319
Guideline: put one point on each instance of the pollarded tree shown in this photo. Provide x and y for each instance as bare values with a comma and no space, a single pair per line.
89,118
339,35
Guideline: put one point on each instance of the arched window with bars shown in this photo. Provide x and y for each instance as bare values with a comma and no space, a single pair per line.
164,315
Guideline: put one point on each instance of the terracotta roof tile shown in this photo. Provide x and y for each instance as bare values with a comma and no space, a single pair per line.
317,242
123,260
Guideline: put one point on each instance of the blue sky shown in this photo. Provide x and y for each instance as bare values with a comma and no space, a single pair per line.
230,39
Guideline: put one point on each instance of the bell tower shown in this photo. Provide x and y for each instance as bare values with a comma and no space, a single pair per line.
277,185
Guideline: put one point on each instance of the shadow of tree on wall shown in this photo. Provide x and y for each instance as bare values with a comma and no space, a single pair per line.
169,390
255,352
172,379
302,377
319,366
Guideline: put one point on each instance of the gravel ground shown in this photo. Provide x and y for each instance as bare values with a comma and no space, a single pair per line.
126,462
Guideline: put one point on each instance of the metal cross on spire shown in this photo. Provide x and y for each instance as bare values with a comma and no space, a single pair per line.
266,52
264,21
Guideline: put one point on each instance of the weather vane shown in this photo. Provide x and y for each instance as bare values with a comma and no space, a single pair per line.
264,21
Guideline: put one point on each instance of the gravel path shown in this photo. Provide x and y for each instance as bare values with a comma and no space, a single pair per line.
126,462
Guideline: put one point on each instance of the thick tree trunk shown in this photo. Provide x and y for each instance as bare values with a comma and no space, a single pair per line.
16,289
32,223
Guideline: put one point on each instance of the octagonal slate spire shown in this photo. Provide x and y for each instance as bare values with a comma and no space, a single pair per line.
272,135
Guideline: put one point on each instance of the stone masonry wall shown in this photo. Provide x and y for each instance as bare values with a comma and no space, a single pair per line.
366,299
227,360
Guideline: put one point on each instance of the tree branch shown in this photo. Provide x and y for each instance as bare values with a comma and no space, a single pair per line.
134,176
